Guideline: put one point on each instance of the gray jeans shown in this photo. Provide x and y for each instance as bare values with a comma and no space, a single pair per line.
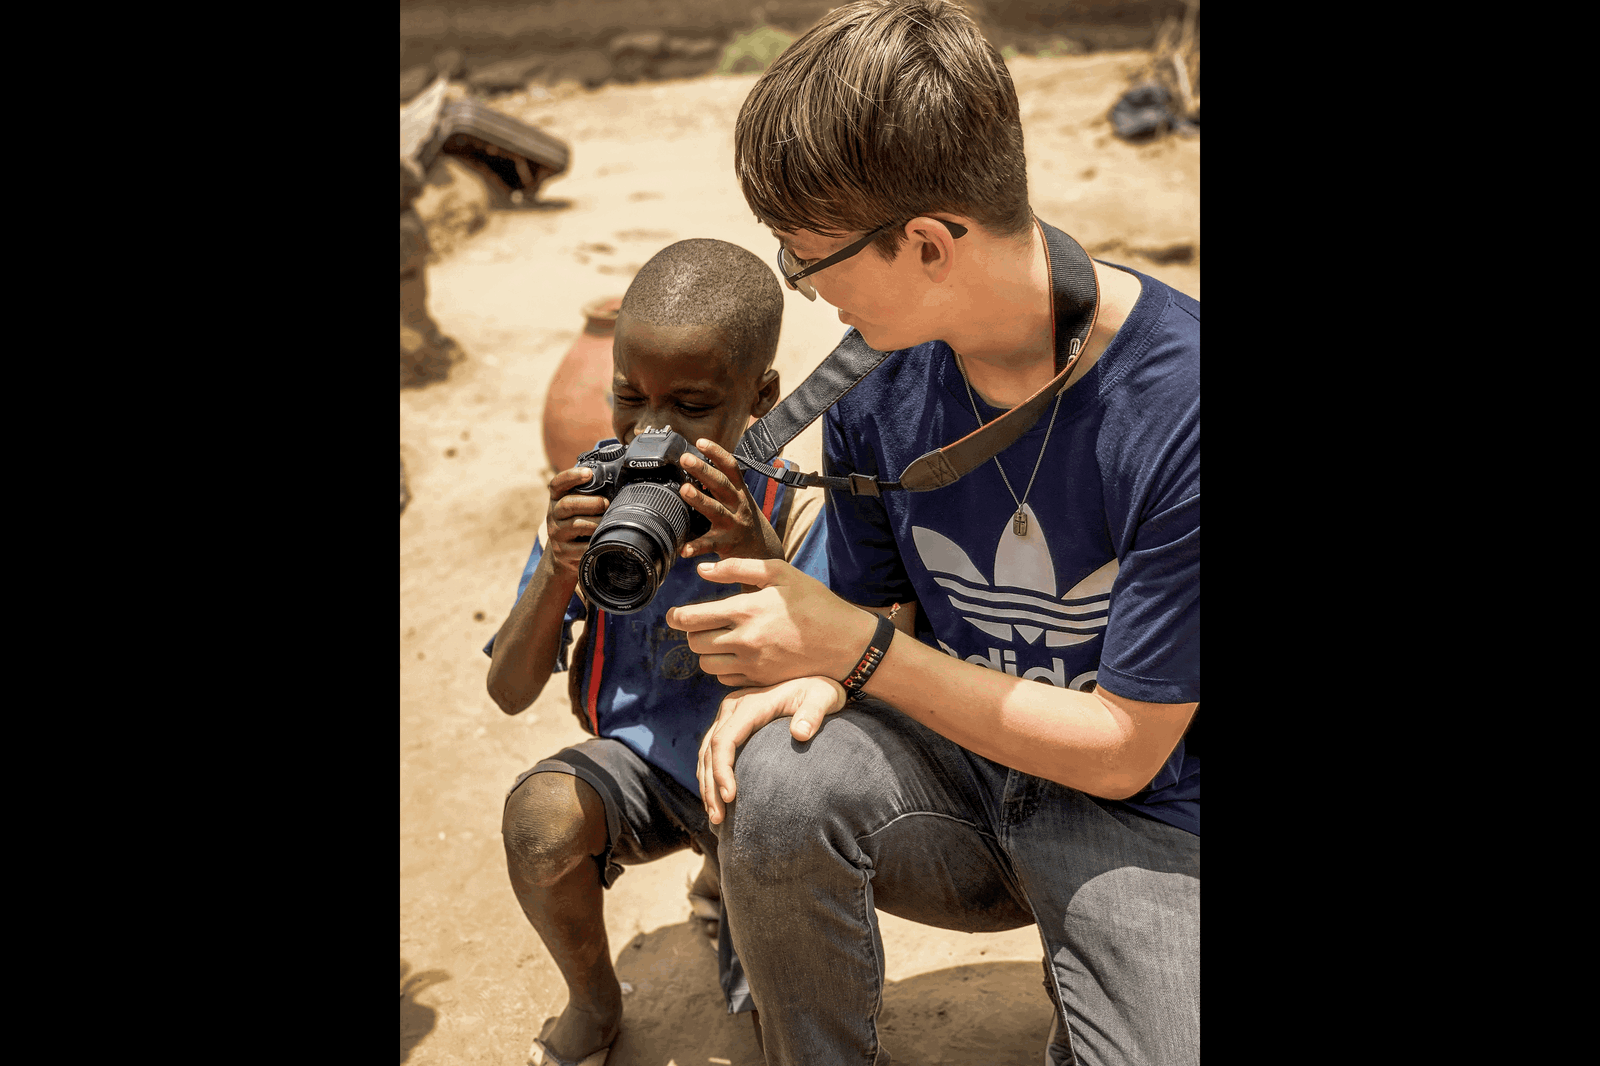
877,811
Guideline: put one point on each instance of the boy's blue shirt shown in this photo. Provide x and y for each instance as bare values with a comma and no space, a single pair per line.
638,681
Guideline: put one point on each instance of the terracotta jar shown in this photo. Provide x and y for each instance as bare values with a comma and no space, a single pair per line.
577,409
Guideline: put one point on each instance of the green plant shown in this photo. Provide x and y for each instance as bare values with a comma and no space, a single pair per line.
1061,46
753,52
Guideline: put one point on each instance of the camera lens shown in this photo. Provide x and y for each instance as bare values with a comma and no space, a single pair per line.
620,574
634,546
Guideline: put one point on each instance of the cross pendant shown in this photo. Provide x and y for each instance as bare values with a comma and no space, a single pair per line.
1019,524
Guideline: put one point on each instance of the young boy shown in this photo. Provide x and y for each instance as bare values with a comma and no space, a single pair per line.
693,349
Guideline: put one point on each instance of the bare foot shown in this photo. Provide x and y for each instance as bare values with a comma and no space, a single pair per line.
581,1030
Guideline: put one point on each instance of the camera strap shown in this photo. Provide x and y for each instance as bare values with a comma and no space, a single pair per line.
1073,311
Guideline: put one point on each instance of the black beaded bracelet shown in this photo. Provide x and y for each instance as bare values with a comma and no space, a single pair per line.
870,658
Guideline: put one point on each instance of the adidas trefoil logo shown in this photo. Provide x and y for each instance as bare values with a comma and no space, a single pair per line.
1021,601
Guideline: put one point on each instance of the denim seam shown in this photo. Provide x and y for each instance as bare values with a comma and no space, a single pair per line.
927,814
867,918
1060,998
870,925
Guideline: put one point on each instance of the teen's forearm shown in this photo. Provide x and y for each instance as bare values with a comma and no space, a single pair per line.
1077,739
794,627
525,649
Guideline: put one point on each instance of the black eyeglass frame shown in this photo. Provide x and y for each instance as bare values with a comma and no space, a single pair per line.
957,231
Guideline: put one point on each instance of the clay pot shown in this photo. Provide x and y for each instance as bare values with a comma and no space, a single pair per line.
577,409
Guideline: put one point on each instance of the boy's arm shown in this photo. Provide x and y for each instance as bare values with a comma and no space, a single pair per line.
526,647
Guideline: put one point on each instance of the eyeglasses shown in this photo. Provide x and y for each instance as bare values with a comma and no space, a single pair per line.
794,274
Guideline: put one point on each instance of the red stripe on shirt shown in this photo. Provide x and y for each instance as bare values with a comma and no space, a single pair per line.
595,666
772,496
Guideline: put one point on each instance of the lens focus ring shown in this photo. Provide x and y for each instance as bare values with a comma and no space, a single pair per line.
660,502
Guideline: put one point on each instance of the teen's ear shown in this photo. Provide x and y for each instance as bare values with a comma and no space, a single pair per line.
766,394
936,245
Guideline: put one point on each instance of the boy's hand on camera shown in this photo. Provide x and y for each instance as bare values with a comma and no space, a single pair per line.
738,528
569,523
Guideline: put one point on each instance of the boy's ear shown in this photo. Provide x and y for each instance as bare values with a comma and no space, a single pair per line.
766,393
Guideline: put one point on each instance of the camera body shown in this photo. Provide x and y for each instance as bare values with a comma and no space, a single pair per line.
645,524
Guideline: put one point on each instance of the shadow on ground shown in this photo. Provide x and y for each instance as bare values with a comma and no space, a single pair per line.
416,1019
676,1012
995,1013
536,205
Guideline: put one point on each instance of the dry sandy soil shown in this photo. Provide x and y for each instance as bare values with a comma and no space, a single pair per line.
653,164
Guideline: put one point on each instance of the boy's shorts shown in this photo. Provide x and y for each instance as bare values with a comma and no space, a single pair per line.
648,816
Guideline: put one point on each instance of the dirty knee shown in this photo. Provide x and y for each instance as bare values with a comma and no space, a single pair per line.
552,822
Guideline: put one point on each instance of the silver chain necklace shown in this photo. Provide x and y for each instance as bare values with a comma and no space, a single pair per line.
1019,523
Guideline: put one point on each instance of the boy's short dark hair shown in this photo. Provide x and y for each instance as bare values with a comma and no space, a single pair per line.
704,282
882,111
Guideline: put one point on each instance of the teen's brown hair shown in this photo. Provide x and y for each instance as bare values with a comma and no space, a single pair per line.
882,111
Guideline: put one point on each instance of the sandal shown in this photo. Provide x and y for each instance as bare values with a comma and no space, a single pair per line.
539,1055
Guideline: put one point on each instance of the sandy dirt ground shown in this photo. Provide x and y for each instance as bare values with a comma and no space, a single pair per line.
653,164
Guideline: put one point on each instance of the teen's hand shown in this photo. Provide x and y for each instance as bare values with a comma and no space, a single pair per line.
738,528
569,522
790,626
807,701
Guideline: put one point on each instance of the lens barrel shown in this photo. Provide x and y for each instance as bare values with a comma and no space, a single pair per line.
638,539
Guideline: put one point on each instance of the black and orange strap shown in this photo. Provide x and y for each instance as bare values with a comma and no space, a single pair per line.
1073,312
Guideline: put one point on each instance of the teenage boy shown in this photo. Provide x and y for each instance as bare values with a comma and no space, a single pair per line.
693,349
884,150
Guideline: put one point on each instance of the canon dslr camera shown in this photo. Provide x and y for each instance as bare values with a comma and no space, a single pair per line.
646,523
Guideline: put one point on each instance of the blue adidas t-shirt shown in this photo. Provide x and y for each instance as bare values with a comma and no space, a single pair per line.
1104,587
639,682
